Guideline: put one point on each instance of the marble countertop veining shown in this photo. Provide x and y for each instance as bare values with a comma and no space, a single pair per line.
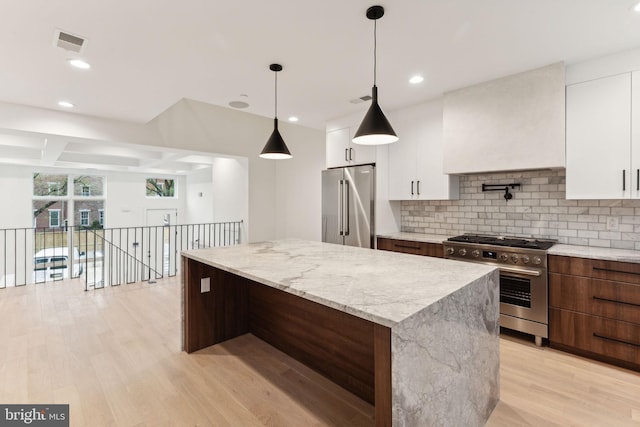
380,286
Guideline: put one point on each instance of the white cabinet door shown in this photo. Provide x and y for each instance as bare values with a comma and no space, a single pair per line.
635,135
433,183
338,147
415,161
599,138
342,152
361,154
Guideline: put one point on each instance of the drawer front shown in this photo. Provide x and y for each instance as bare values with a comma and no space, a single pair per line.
610,338
615,300
599,269
410,247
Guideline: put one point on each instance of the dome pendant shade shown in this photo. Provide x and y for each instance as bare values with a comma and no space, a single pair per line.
275,148
375,129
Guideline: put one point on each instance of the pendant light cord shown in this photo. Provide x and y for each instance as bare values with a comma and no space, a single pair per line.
375,55
276,94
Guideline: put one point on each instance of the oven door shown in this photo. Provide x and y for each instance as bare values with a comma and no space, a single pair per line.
523,294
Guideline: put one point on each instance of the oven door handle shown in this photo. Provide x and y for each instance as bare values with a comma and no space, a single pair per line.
517,271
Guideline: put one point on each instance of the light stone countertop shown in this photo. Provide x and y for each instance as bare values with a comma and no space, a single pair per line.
611,254
380,286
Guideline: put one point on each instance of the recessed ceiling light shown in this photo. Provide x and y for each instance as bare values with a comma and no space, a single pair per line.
79,63
636,8
416,79
293,119
65,104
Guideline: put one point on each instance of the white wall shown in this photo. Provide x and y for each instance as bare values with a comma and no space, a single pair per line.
16,185
192,125
127,203
276,207
198,197
608,65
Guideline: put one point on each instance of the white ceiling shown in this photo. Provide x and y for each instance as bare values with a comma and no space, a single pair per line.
148,54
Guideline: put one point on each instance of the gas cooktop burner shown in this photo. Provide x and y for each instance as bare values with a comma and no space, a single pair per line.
514,242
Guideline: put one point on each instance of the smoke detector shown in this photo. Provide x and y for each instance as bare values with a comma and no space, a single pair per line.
69,41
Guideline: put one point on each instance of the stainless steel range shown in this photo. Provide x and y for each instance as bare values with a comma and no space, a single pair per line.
523,277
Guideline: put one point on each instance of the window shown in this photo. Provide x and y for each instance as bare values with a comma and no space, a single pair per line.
84,218
101,217
54,218
160,187
88,185
45,185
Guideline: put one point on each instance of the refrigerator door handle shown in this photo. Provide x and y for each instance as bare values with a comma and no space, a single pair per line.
346,205
340,200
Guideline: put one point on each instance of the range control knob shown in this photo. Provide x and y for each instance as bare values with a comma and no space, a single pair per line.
537,260
504,257
475,253
462,251
514,258
450,251
525,259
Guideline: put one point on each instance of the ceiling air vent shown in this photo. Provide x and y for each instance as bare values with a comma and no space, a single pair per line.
68,41
361,99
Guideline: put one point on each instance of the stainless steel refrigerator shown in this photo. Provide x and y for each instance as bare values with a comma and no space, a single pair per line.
348,199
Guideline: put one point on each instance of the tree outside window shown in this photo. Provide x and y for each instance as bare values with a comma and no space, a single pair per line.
160,187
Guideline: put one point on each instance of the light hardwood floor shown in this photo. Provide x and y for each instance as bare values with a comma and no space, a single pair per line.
114,356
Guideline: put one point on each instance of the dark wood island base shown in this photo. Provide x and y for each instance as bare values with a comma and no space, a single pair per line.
352,352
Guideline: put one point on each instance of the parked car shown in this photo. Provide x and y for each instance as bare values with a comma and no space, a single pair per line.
53,264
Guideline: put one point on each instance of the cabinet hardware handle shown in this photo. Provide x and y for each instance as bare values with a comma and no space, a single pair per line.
615,271
615,301
602,337
418,187
412,188
624,180
350,153
638,179
346,154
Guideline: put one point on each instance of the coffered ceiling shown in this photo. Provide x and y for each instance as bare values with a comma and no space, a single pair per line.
145,55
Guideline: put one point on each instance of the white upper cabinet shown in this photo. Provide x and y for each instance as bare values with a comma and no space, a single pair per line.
415,160
599,163
340,151
513,123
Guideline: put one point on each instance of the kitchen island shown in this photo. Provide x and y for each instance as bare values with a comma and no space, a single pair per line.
415,336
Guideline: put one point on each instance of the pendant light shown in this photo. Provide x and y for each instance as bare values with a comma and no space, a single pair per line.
375,129
275,148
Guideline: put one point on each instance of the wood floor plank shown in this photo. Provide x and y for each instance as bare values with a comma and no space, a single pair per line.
114,356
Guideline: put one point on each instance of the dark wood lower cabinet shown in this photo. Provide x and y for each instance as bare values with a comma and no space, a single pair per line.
595,309
411,247
352,352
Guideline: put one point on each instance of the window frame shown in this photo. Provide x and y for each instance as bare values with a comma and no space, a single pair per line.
59,212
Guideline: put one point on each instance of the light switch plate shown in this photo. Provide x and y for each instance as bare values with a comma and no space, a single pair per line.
205,285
